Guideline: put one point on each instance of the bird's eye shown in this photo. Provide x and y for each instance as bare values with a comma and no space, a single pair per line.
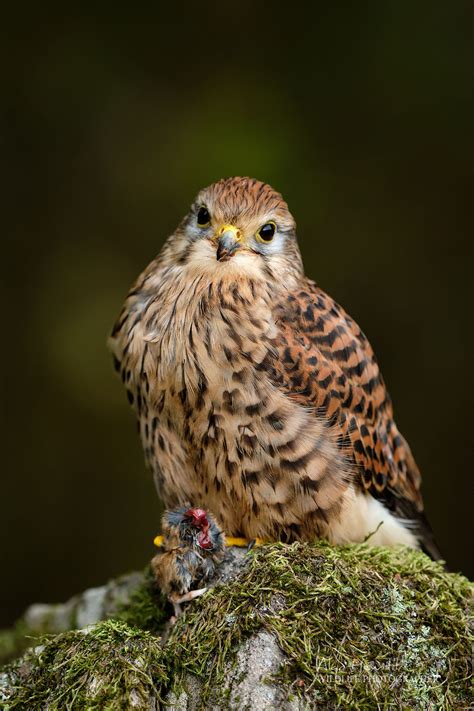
267,232
203,217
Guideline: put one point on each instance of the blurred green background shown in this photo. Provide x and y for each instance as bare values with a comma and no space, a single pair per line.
361,116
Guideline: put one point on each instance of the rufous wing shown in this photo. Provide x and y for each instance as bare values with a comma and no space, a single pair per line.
324,361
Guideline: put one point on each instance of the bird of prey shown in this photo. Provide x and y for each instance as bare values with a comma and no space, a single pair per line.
193,545
257,396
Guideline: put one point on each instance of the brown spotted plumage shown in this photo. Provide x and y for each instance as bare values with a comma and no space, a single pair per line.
257,396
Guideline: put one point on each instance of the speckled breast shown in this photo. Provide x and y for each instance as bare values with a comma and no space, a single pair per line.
216,430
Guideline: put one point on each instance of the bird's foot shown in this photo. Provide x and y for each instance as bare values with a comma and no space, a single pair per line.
191,595
187,597
240,542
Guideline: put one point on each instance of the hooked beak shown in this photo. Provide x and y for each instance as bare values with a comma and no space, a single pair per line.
228,242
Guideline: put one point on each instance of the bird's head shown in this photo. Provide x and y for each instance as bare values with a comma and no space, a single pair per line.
239,225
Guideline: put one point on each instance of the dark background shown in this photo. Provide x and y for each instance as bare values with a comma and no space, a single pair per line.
361,116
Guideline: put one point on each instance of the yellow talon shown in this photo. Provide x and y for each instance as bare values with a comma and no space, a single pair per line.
230,541
242,542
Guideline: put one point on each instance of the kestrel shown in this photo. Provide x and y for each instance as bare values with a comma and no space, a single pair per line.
257,396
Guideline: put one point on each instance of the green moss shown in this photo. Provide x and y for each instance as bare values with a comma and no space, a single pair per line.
147,607
112,666
16,640
361,627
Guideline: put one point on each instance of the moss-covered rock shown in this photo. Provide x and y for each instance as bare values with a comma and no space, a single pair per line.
110,665
133,591
299,626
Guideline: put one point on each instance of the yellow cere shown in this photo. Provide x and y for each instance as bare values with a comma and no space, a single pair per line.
230,229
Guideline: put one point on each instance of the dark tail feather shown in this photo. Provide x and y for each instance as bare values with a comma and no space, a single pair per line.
427,540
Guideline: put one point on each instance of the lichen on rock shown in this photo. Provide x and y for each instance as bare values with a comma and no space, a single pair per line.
287,626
